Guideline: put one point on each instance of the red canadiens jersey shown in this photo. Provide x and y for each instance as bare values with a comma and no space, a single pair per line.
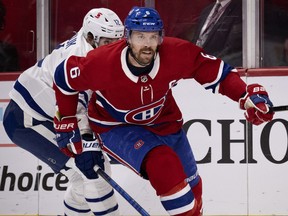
121,98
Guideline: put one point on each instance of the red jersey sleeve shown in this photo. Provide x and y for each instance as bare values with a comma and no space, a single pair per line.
233,86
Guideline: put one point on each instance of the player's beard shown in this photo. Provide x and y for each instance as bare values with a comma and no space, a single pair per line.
145,56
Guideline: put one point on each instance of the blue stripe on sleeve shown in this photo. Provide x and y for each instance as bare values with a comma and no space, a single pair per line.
225,71
59,78
29,100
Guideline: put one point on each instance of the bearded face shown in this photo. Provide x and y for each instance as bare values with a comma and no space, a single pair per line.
143,46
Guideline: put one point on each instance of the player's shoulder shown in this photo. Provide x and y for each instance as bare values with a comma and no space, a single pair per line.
118,45
109,50
175,42
177,45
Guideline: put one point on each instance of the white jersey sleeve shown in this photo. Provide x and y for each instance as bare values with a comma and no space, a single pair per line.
33,90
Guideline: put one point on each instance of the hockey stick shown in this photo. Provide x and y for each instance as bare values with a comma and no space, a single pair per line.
279,108
120,190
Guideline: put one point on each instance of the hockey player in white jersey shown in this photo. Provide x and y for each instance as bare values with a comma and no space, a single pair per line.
28,119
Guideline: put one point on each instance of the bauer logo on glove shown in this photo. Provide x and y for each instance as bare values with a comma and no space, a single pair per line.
68,135
90,143
64,126
257,104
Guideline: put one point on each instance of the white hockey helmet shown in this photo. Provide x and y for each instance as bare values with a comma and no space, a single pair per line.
102,22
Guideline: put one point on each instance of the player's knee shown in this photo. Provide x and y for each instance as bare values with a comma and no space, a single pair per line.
163,169
166,174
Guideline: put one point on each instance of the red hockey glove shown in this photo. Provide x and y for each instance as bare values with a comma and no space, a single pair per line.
256,103
68,135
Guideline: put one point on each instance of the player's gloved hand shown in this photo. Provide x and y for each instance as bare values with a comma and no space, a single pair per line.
68,135
257,104
91,156
90,143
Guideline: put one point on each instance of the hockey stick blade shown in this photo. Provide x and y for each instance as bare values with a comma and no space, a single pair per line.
120,190
279,108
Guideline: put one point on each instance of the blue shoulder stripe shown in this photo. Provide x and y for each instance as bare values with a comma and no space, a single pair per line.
60,79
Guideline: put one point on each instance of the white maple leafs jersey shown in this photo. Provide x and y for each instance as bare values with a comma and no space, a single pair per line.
33,90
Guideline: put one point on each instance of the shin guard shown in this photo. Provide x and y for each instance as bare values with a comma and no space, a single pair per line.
74,201
100,195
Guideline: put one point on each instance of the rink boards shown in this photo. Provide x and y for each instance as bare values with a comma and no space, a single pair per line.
241,175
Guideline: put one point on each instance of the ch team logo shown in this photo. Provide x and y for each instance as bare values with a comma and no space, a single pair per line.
146,114
138,144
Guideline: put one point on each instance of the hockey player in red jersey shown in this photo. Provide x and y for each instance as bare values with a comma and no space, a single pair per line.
133,109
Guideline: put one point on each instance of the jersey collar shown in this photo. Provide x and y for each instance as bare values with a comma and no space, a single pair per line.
129,74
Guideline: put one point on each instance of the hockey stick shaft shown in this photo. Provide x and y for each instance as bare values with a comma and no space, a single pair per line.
279,108
121,191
